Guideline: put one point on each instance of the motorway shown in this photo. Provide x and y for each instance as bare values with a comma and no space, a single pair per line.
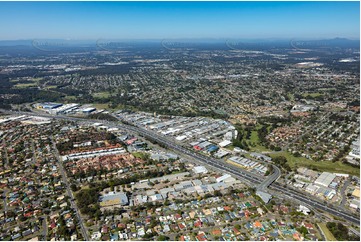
250,178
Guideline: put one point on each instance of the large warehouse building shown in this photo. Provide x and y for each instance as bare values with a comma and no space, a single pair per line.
48,105
325,179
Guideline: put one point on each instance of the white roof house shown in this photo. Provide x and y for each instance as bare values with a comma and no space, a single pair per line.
200,169
225,143
222,178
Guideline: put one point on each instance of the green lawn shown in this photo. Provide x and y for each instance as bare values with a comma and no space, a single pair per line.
25,85
291,96
327,233
70,98
255,139
312,94
101,106
101,94
106,106
337,167
51,86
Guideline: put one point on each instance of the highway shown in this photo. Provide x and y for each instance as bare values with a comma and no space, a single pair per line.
250,178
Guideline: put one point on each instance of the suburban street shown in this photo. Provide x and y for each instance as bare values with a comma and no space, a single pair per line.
70,193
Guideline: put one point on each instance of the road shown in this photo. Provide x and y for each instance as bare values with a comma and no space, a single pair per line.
5,203
6,165
250,178
270,179
70,194
342,192
354,231
45,228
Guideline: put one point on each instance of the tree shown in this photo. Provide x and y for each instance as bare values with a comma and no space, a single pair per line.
302,230
163,238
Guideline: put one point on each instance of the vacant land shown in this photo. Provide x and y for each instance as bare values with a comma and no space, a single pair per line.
255,140
51,87
312,94
329,236
101,94
25,85
100,105
329,166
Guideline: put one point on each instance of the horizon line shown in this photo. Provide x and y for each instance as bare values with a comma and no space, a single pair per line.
188,38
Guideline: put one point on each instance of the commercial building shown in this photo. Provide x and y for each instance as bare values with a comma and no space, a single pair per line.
88,110
48,105
266,197
225,143
325,179
64,108
221,153
356,193
95,153
212,148
304,210
224,177
355,204
114,199
200,169
261,157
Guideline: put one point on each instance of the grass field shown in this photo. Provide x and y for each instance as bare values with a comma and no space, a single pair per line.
100,105
329,166
25,85
70,98
51,87
258,147
106,106
312,94
255,139
327,233
291,96
101,94
295,162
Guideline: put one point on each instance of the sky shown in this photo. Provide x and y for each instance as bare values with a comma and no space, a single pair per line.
172,20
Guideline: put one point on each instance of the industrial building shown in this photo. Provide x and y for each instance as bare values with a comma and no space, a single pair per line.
266,197
261,157
112,199
48,105
95,153
223,178
225,143
325,179
356,193
88,110
64,108
200,169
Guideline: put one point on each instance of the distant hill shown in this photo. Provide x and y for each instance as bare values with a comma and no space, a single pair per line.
300,43
336,42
